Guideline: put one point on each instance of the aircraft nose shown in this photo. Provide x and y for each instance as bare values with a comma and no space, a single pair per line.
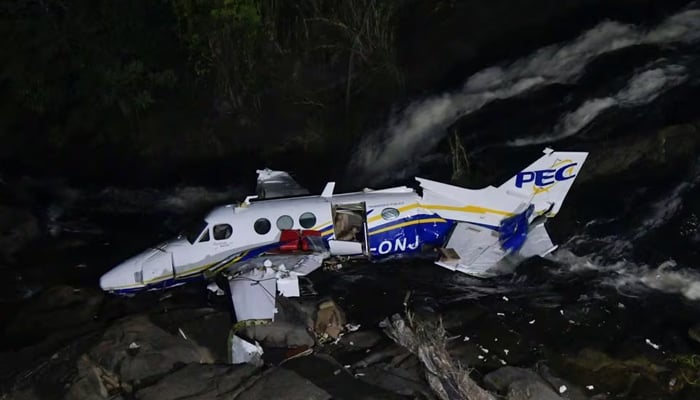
124,276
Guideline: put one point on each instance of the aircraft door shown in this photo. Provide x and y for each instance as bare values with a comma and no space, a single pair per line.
350,229
157,266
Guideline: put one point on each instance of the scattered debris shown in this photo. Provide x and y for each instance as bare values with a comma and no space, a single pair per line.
590,387
427,342
506,298
245,352
500,314
134,346
562,388
655,346
531,322
466,338
182,333
330,320
214,288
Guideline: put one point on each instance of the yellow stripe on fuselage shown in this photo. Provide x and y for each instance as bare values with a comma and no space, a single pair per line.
397,226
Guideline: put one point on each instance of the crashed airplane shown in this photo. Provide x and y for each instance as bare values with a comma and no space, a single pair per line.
262,245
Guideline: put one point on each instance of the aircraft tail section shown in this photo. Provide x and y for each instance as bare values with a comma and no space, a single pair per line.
547,181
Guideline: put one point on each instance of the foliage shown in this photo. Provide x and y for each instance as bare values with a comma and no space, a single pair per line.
138,77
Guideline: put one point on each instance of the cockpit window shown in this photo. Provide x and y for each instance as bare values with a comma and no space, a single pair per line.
195,230
222,231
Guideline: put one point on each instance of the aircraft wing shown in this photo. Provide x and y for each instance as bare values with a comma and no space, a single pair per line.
273,184
254,289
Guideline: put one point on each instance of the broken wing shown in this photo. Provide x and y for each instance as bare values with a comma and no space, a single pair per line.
254,290
273,184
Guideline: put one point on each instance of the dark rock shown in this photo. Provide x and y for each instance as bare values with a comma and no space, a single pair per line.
18,227
612,374
207,327
531,390
57,308
283,384
694,332
292,326
398,380
502,378
334,378
660,152
199,382
135,349
361,339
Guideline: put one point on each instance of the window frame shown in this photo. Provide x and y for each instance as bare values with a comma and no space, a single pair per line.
213,231
269,226
285,217
307,213
391,210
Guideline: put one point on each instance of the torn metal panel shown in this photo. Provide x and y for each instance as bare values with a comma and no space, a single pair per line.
243,351
253,294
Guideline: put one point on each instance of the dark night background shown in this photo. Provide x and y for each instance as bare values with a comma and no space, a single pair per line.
121,121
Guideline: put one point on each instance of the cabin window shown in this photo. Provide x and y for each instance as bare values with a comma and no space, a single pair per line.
390,213
205,237
307,220
262,226
195,230
222,231
285,222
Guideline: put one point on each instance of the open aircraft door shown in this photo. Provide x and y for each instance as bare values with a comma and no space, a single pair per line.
350,230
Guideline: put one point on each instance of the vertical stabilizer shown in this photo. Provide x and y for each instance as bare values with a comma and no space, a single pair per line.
547,181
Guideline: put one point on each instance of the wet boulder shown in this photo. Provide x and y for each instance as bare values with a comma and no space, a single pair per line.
58,308
614,374
138,351
283,384
207,327
669,148
200,382
520,384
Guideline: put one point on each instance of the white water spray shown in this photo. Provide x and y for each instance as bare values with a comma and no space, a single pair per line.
416,129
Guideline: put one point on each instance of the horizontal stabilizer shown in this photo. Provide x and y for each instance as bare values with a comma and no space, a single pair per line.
538,242
472,250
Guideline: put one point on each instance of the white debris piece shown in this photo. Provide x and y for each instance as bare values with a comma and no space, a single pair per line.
502,361
495,339
561,312
562,389
182,333
505,298
134,346
288,286
480,357
352,327
532,322
620,305
214,288
590,387
466,338
655,346
485,350
500,314
506,351
267,263
245,352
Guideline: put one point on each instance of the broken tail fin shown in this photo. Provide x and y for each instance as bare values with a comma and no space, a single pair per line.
547,180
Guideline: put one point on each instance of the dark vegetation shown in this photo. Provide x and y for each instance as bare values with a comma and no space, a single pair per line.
164,90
